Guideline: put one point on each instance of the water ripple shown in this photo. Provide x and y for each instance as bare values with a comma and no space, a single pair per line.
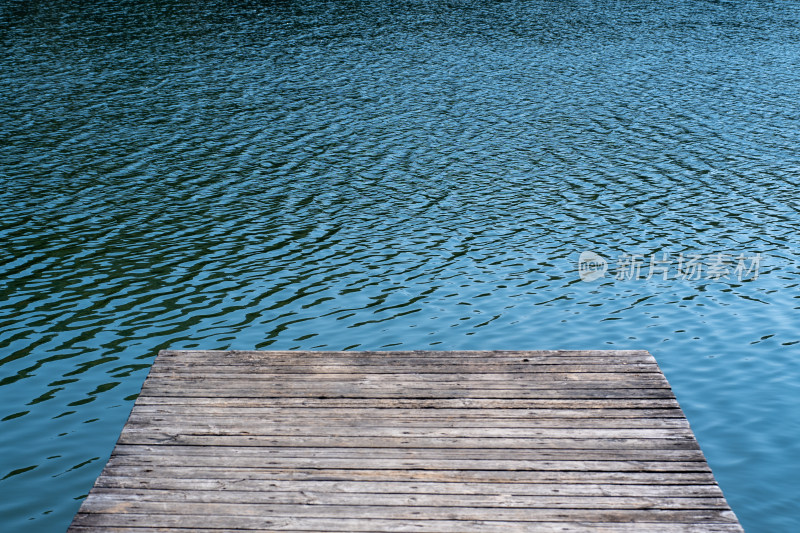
376,175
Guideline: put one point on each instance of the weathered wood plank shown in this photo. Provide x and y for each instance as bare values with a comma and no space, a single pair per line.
419,464
97,506
250,389
260,356
479,379
130,436
256,409
231,428
604,464
392,358
406,441
413,403
223,472
408,366
406,487
325,525
334,419
165,452
107,496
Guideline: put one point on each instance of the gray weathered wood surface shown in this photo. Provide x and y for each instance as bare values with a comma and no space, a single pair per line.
577,441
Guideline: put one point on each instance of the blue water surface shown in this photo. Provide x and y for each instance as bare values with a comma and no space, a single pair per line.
331,175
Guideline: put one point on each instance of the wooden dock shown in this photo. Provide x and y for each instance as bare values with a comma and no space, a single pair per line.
568,441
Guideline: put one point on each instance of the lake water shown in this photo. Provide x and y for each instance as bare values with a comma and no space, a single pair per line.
397,175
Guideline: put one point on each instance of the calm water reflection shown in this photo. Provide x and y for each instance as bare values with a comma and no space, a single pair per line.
376,175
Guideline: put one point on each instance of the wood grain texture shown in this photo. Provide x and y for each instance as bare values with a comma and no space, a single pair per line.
542,441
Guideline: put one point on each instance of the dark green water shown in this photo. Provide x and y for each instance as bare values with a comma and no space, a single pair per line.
394,175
